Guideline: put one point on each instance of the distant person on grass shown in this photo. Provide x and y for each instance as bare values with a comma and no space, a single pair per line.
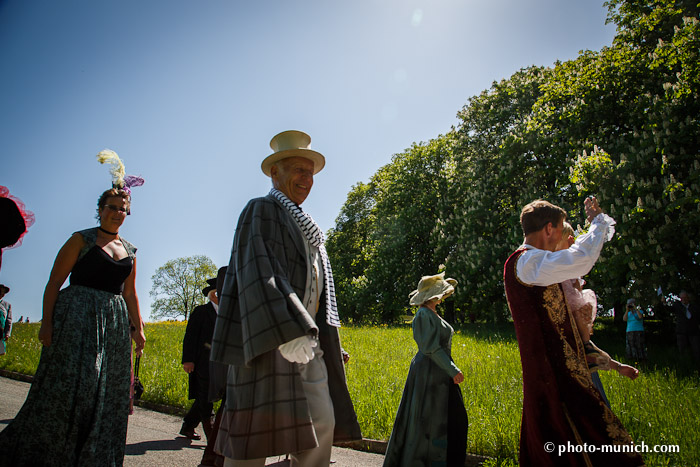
77,409
196,348
278,326
561,406
5,318
635,347
687,316
431,422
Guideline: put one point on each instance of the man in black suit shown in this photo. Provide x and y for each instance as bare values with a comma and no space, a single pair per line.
196,347
687,326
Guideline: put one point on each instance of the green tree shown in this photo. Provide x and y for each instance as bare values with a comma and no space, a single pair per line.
350,251
638,102
177,286
620,123
384,237
502,163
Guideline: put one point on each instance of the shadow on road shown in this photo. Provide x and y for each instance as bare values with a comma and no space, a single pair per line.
177,444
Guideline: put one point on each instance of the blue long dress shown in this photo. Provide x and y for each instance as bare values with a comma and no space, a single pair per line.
76,412
431,424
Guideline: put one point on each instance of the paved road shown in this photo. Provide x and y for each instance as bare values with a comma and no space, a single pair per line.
152,438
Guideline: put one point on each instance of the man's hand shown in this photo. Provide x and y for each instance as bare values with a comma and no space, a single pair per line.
458,378
592,208
299,350
188,367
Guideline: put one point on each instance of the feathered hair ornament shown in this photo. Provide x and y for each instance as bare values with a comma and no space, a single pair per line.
119,179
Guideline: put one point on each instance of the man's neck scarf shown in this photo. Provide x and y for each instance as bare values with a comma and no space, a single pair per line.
314,235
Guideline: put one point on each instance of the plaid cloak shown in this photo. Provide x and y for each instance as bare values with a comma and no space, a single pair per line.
260,308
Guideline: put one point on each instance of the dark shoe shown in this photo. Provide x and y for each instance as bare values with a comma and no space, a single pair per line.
208,459
191,434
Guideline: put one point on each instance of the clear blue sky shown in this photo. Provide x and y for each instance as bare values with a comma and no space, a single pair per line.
189,93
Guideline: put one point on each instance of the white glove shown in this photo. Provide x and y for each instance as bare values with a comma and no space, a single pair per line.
299,350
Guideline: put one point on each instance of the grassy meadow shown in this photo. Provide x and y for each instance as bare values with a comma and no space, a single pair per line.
661,407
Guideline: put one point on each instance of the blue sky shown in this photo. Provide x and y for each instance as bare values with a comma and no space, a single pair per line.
189,94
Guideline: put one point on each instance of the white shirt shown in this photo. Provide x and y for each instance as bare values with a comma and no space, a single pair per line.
543,267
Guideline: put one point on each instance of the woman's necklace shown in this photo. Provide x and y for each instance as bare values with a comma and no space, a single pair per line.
107,231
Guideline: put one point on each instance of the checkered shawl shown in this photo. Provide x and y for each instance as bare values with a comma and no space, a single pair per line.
314,235
260,308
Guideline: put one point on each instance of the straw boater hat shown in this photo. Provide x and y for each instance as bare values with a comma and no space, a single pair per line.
289,144
430,287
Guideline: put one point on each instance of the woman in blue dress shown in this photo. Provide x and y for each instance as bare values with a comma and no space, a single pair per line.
431,424
76,412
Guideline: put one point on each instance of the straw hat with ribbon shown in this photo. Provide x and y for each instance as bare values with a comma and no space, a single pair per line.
289,144
430,287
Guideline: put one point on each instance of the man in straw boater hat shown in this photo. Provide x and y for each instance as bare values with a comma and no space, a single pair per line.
562,410
278,325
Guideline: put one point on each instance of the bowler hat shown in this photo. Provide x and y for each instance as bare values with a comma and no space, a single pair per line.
210,287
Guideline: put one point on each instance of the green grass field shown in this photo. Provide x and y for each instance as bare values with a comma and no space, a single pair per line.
661,407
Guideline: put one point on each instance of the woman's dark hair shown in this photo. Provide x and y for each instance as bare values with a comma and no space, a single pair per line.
536,215
112,192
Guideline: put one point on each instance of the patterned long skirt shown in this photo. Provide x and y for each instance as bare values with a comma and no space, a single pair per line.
636,348
76,412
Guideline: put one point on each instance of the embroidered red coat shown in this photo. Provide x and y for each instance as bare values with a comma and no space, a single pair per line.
560,403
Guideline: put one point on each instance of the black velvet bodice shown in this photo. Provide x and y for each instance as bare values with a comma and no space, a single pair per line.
98,270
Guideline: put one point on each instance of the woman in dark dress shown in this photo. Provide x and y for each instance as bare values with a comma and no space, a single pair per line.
431,423
77,409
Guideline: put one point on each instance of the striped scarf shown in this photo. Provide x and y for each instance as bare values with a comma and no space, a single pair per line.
314,235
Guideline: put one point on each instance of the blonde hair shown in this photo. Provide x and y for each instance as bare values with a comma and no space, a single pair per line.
567,230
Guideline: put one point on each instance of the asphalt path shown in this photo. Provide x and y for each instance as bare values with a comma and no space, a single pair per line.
152,439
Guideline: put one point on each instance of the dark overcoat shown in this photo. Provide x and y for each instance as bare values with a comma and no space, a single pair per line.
684,325
261,308
196,346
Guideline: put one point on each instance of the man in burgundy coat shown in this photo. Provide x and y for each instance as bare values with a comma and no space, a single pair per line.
565,421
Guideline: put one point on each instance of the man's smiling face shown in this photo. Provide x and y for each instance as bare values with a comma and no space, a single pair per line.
293,176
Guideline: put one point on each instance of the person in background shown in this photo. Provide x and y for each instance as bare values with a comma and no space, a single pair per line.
218,373
687,317
77,409
196,347
278,324
5,318
634,337
431,423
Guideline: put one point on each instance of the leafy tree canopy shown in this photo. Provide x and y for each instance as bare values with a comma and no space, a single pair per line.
177,286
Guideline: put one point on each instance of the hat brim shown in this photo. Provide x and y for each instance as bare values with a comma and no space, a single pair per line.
418,298
315,157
